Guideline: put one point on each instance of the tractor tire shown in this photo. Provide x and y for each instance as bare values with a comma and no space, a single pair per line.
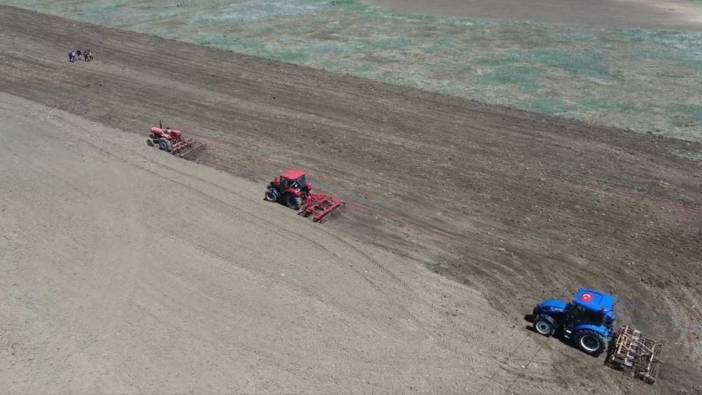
150,142
293,202
164,145
590,342
271,195
544,325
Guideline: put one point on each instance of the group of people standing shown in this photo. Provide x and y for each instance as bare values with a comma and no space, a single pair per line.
77,54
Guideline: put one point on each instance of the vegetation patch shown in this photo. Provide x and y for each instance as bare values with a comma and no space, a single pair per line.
637,79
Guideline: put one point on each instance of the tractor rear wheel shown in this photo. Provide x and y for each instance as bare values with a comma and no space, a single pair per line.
293,202
591,342
544,325
164,145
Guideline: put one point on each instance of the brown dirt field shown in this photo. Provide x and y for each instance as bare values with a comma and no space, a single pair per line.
517,205
645,14
126,270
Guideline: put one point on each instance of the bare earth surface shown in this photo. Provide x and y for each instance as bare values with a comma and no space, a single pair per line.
128,270
645,14
125,270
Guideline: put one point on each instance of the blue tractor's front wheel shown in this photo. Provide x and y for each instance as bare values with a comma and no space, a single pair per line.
544,325
591,342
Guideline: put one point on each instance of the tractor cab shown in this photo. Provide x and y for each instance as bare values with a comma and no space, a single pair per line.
588,319
594,307
294,179
290,188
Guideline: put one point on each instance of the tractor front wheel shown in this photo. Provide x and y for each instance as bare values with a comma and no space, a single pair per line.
591,342
271,195
544,325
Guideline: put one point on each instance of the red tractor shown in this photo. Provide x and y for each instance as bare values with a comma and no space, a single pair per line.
292,189
172,140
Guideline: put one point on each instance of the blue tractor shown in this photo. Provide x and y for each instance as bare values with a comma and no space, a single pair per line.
588,320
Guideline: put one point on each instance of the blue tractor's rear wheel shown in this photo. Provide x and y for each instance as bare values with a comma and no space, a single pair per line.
591,342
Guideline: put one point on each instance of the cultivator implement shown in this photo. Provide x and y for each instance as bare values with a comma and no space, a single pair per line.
187,148
320,206
636,354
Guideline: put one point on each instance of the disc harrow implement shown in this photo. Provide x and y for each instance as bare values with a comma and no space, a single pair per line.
320,206
633,353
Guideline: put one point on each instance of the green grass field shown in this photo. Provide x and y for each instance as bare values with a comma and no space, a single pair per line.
648,81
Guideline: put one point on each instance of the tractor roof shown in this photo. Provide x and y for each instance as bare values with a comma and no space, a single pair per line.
292,174
594,300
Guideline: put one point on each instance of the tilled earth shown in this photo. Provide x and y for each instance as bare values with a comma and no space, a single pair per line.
126,270
519,206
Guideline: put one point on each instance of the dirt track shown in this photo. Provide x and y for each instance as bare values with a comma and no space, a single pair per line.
515,205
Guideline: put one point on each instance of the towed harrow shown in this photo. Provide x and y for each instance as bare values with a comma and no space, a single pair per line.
319,206
633,353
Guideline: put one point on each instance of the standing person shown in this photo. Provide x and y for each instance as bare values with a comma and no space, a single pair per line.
71,56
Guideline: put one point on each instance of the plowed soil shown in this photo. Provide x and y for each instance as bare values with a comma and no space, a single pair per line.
129,270
515,205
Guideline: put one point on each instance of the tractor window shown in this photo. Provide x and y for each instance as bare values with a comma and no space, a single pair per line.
287,183
580,314
301,182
